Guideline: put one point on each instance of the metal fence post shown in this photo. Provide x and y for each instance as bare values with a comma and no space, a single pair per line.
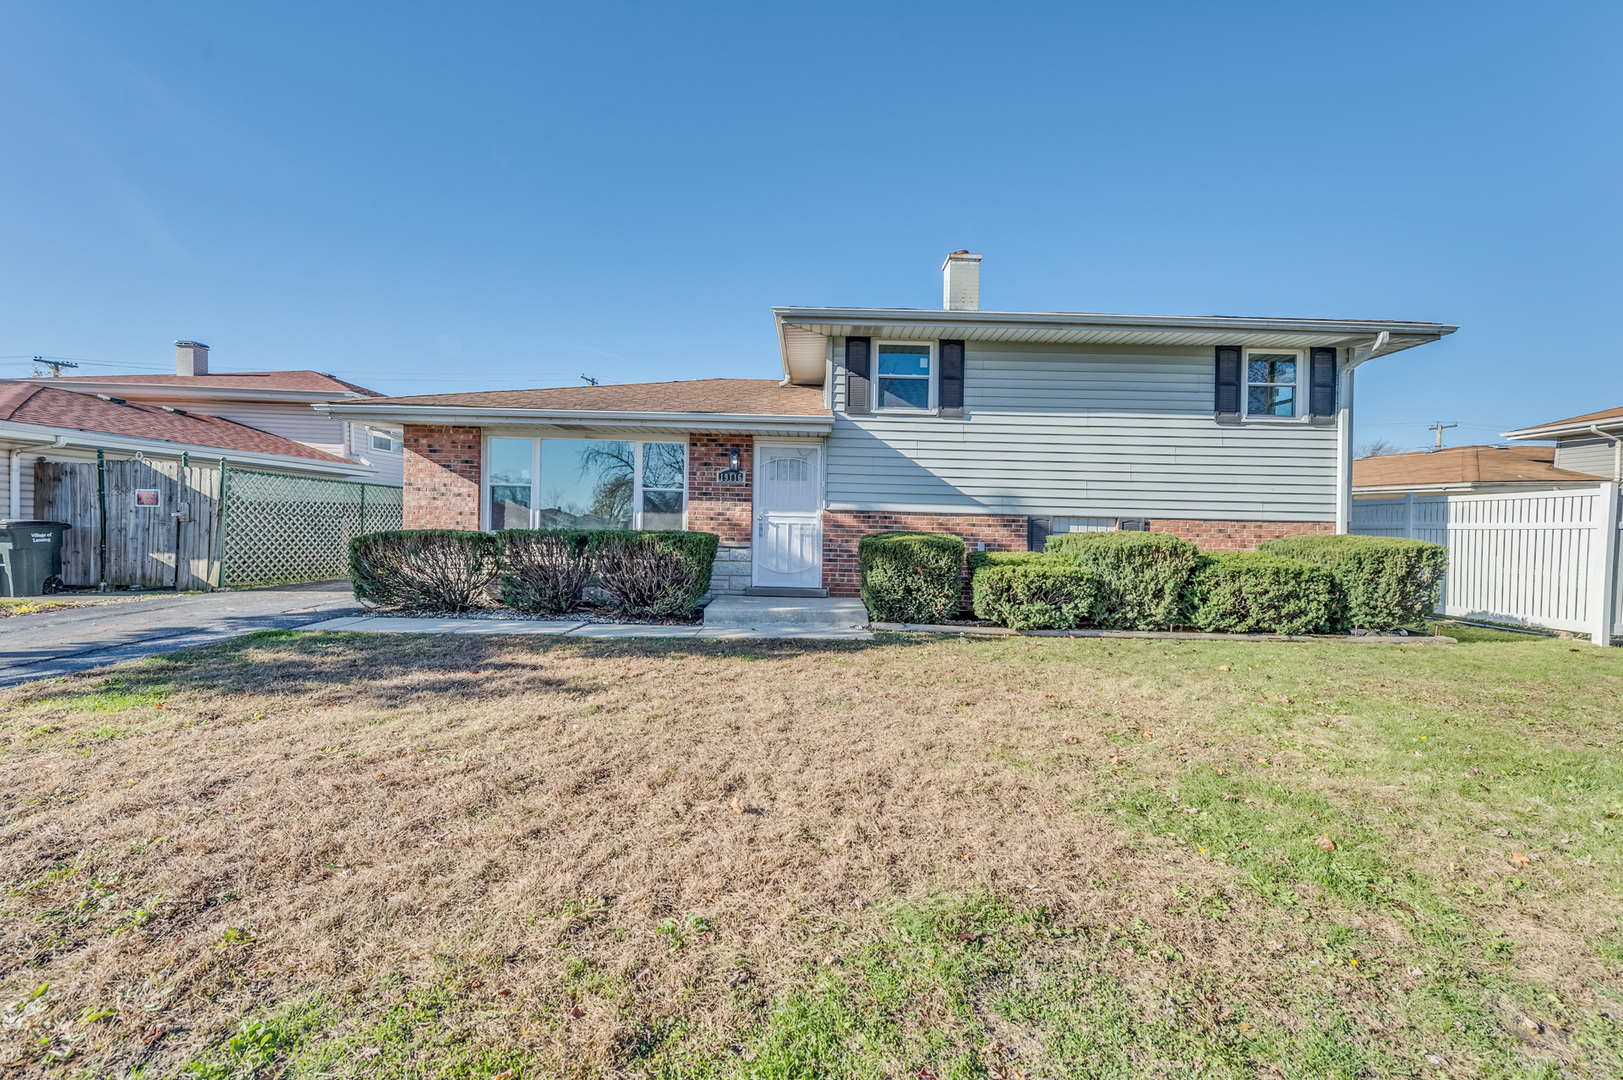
1603,567
101,510
224,471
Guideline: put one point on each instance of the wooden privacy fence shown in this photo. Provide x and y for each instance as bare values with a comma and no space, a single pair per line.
1538,558
174,525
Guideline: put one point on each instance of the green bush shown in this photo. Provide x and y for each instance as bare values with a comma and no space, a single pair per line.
423,569
1031,591
655,573
544,570
1140,576
1249,593
1382,582
913,577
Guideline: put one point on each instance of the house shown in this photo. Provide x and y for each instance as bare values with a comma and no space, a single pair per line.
275,401
1592,443
1464,470
999,427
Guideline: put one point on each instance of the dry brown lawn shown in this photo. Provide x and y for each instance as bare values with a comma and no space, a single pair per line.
456,856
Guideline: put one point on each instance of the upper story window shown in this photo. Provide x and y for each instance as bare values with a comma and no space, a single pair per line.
382,440
1271,382
586,484
904,375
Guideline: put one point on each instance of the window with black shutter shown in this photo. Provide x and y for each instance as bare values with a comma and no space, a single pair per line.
858,396
950,394
1322,386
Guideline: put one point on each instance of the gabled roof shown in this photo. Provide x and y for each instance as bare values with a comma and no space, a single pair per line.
804,333
1608,420
281,382
26,402
1465,465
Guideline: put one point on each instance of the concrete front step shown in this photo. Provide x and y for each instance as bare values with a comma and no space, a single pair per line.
785,613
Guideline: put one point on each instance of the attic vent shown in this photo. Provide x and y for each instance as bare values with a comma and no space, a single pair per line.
171,408
114,400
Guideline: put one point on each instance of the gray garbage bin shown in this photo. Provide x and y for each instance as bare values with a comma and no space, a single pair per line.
31,556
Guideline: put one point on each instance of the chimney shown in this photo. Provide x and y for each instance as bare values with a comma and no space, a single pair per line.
191,358
961,282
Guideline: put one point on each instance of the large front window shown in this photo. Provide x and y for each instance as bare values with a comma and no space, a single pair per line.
1270,382
586,484
904,376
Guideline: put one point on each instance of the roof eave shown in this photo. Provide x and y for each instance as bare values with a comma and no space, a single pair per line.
742,423
1545,432
213,393
80,438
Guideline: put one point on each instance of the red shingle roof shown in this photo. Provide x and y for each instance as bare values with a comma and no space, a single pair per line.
314,381
748,397
1465,465
32,403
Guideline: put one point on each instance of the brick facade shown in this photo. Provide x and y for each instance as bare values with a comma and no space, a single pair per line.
724,509
1211,535
441,481
843,528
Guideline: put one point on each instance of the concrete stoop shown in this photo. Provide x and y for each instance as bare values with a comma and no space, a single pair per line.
788,616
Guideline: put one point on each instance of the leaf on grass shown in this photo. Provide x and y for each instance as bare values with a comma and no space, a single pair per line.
1225,667
1519,859
1325,843
576,1013
1283,700
738,807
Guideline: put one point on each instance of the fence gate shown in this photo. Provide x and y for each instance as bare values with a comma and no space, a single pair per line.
1538,558
162,521
277,529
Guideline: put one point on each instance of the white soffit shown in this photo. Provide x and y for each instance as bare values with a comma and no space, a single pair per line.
803,361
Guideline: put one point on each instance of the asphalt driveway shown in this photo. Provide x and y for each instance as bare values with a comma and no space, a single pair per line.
73,639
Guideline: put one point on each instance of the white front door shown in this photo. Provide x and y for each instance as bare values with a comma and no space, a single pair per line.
788,545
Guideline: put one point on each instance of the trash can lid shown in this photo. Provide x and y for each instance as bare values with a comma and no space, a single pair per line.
18,523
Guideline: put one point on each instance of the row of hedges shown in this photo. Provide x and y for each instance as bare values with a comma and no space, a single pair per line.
652,573
1151,581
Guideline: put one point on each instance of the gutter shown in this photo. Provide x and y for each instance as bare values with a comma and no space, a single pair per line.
929,316
95,440
470,415
17,471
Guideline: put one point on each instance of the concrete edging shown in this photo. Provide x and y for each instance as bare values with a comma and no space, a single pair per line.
1156,635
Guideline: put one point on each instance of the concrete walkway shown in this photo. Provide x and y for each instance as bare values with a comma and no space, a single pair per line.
726,617
74,639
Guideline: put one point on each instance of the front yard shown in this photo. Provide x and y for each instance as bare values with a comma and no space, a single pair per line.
329,855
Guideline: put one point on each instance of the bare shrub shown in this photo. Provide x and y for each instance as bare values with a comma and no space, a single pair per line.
423,569
544,570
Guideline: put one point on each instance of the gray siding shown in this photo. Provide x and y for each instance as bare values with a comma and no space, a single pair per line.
1109,432
1589,454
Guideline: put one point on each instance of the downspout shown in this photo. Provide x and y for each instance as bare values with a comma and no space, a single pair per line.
1344,431
17,471
1617,452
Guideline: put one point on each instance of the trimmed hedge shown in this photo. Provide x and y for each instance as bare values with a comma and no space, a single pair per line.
1382,581
1140,576
544,571
423,569
1031,590
657,572
1249,593
913,577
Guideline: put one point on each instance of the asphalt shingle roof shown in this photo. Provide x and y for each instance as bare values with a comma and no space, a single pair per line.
1465,465
750,397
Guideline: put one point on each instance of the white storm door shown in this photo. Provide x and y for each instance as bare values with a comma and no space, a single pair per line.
788,542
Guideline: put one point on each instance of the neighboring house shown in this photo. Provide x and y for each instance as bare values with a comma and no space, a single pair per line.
275,401
1592,443
1464,470
996,426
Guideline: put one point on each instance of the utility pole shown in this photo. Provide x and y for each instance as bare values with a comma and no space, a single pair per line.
56,366
1439,427
589,380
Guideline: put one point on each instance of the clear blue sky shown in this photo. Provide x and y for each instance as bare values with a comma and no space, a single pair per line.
477,196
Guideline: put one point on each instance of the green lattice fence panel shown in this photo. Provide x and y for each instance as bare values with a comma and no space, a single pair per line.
279,529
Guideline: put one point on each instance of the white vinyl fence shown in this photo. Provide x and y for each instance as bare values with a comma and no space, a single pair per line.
1540,558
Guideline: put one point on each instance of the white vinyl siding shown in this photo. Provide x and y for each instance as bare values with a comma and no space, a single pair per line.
1107,432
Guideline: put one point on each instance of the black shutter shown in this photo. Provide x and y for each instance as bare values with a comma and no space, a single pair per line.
858,398
1226,403
951,393
1038,530
1321,393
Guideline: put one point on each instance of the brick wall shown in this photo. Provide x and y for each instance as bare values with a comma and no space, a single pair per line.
441,483
843,528
1235,535
724,509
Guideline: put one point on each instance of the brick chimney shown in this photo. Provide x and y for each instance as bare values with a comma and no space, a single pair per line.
191,358
961,282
